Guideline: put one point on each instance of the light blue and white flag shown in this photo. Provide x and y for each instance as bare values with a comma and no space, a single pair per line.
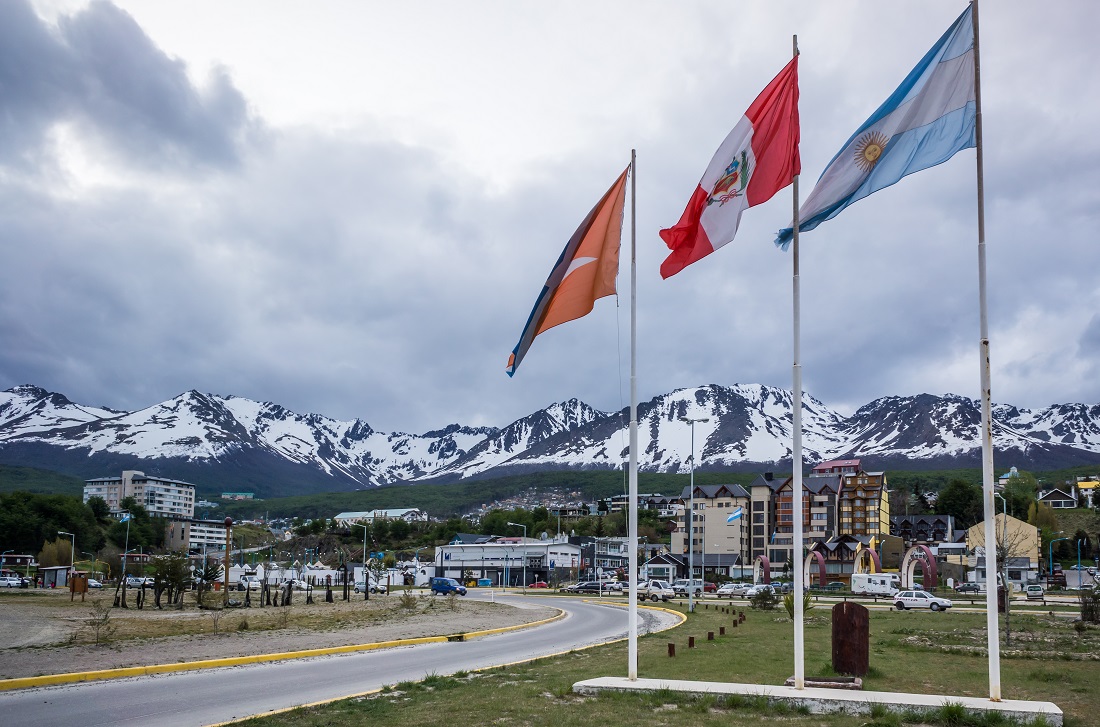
924,122
735,515
124,518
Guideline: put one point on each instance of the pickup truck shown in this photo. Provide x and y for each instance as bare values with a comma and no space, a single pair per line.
655,591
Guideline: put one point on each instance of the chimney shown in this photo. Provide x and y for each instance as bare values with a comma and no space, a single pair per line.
769,476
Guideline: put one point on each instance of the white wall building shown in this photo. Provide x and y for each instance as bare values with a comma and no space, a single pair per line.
502,561
160,497
408,514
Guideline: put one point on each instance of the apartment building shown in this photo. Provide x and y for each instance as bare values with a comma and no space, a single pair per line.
712,531
160,497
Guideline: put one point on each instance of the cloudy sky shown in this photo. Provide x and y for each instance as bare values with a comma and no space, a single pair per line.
348,208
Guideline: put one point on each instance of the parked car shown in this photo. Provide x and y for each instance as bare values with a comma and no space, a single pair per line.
593,587
968,588
655,590
697,586
374,587
138,581
568,588
249,583
93,583
11,582
834,586
443,586
1034,592
539,584
729,590
920,599
759,588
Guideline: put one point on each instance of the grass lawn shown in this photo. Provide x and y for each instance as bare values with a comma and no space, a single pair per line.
933,653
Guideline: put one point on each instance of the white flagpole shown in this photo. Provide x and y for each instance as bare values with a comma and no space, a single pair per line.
632,609
991,619
796,451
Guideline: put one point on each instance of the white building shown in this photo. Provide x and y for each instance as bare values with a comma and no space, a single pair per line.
160,497
408,514
507,561
208,534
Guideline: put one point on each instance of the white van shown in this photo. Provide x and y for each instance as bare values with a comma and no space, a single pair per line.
875,584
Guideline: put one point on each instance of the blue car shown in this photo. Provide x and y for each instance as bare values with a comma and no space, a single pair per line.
443,586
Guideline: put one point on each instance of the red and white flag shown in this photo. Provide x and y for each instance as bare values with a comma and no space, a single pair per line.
757,159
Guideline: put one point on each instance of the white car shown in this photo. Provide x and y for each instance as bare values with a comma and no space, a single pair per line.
920,599
93,583
374,588
729,590
758,589
11,582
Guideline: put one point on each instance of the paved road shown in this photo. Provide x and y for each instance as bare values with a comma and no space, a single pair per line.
205,697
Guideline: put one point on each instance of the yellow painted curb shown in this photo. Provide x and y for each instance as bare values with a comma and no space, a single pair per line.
137,671
561,614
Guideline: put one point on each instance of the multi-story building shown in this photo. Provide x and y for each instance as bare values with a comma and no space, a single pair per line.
819,514
712,531
863,504
160,497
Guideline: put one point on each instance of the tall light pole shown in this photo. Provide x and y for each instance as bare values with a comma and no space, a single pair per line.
126,546
521,525
228,549
1004,543
366,578
691,501
1050,555
72,552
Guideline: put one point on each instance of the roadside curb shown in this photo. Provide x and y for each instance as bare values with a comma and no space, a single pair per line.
681,616
137,671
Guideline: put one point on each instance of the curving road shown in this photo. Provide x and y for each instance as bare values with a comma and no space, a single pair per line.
210,696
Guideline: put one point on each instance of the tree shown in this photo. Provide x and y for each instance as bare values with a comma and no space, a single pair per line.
171,573
101,511
1019,493
55,552
963,501
1042,516
205,576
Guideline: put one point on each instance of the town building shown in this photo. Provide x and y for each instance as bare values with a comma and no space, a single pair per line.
923,528
1058,499
159,496
715,527
408,514
501,561
1017,544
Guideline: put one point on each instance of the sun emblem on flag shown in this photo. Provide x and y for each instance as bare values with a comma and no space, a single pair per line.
732,182
869,149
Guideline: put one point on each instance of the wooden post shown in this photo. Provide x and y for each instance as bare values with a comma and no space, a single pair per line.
710,636
721,630
671,649
691,642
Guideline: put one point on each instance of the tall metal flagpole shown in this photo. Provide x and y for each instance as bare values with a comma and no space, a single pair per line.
632,609
796,450
991,620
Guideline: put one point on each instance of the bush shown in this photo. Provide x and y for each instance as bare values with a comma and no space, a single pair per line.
1090,606
788,603
766,600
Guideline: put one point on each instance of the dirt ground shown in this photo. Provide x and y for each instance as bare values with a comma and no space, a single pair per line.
42,632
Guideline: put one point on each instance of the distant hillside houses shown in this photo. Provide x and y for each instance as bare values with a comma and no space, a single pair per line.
408,514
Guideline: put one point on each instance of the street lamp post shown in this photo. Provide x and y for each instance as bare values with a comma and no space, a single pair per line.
1050,555
521,525
366,578
72,552
1004,544
126,547
691,501
228,549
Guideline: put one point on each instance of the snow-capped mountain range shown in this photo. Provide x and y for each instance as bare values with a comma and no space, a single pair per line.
231,443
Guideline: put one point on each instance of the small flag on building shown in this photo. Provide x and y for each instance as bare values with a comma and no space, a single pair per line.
735,515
